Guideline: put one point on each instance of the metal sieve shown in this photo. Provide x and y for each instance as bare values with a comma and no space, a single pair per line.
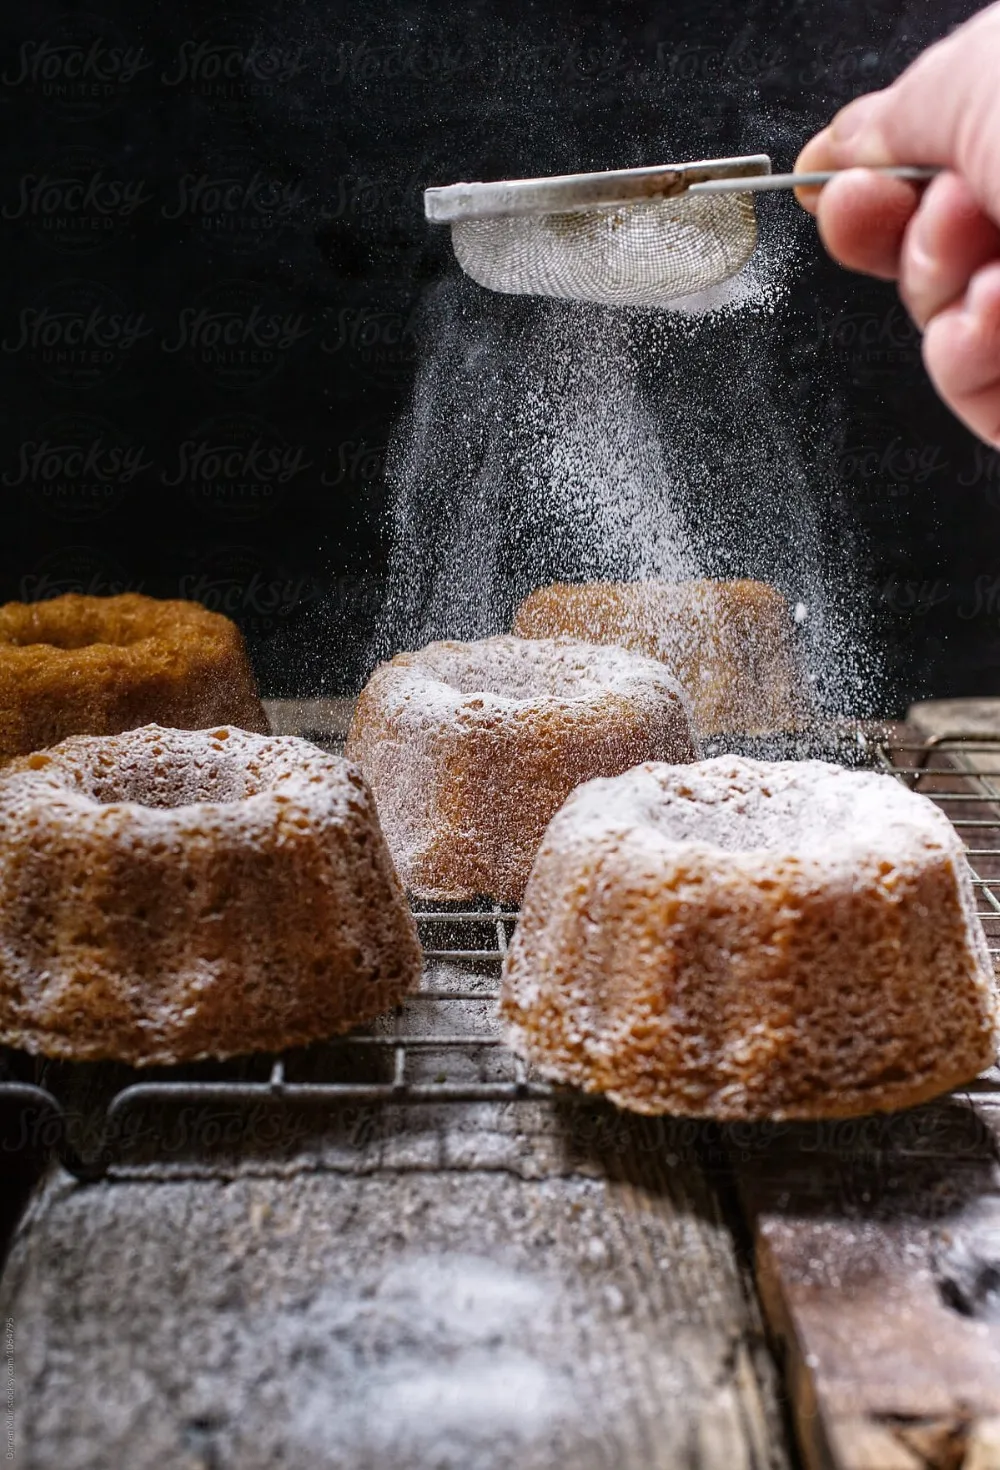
630,237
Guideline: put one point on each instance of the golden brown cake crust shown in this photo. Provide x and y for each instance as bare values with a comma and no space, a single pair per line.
729,644
77,665
172,894
470,749
742,940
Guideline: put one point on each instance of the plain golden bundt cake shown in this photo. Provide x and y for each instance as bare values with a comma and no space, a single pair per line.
729,644
741,940
471,748
172,894
79,665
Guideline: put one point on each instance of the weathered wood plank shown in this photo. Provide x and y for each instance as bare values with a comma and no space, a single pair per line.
878,1265
449,1319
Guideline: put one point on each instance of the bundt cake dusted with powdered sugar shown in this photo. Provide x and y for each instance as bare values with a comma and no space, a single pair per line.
172,894
731,644
77,665
471,748
743,940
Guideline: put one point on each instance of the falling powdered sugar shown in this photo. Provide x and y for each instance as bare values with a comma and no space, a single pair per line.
552,442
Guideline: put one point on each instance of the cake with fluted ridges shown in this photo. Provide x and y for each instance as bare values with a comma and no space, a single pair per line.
79,665
471,748
173,894
737,939
729,644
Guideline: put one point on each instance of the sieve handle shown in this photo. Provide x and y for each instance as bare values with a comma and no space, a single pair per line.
764,183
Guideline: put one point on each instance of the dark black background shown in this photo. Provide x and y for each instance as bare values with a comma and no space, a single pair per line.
167,167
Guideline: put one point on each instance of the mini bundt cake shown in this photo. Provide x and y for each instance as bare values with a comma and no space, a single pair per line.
471,748
742,940
79,665
173,894
729,644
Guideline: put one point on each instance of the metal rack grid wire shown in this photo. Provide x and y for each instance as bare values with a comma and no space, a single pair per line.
961,774
444,1044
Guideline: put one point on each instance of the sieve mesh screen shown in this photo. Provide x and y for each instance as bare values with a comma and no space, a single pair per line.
642,254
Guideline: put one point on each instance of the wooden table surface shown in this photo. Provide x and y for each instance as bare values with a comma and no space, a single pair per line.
532,1284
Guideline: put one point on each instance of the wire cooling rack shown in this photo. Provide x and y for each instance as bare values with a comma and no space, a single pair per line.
961,774
444,1044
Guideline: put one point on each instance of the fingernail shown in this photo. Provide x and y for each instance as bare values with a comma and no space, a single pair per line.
923,276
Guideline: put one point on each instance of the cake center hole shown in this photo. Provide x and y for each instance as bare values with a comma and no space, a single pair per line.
158,777
515,672
65,640
51,625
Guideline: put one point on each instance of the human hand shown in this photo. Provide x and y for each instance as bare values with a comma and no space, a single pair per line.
942,242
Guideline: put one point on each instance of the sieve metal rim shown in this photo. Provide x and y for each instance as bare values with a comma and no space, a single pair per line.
568,193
